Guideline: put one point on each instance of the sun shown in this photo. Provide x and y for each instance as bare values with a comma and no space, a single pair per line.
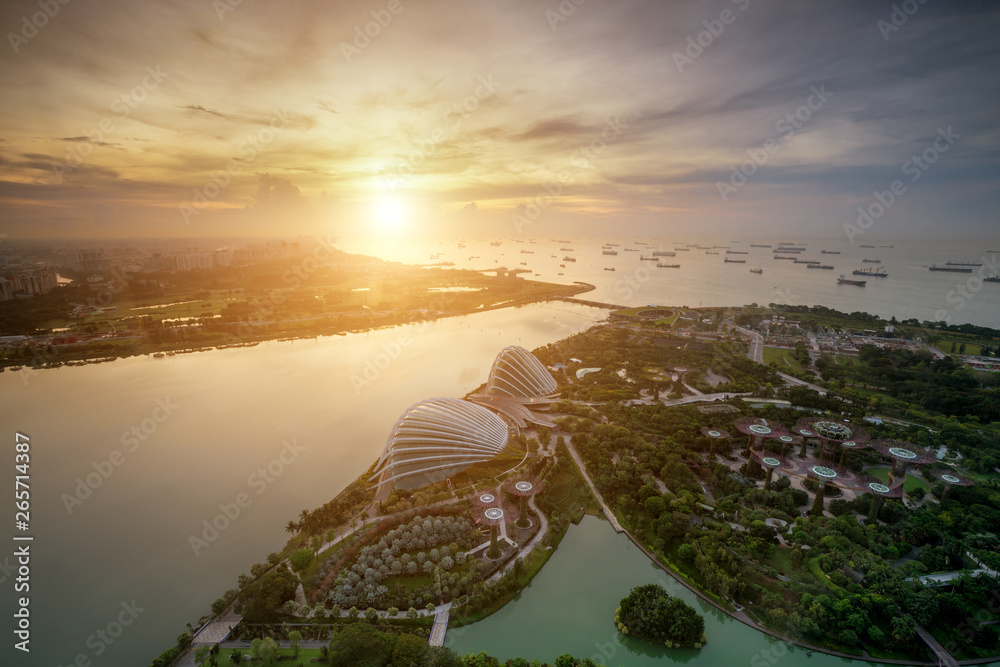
391,215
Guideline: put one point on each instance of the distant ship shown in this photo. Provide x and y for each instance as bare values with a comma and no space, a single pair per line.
609,269
953,269
684,249
567,258
563,266
845,281
737,252
734,261
788,249
781,257
565,250
495,243
757,270
872,261
829,252
887,246
664,253
805,261
673,266
631,250
650,259
875,273
866,246
962,264
991,279
759,245
817,265
609,252
710,252
461,245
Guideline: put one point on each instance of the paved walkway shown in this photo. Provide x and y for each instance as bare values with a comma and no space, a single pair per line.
943,657
593,489
439,629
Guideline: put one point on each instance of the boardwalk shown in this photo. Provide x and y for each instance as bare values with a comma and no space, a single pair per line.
943,658
439,629
593,489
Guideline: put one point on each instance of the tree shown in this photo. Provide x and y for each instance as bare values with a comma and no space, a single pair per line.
295,640
184,640
255,647
359,645
685,552
353,613
300,559
268,650
202,654
262,600
411,613
654,507
903,628
371,614
219,606
410,651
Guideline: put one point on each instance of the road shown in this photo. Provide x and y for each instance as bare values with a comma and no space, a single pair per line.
756,351
802,383
942,655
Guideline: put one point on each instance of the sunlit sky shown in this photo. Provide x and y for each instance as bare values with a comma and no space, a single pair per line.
115,117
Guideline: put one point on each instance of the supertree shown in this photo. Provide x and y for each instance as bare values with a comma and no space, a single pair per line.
950,480
771,462
719,434
879,491
832,434
787,442
758,430
902,454
823,475
523,486
495,516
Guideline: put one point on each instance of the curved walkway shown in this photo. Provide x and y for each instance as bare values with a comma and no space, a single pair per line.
593,489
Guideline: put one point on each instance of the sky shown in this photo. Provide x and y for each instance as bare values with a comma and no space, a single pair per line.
210,118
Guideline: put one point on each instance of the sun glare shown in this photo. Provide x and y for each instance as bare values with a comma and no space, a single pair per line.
390,215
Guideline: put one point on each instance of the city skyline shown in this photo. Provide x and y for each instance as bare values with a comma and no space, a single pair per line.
742,117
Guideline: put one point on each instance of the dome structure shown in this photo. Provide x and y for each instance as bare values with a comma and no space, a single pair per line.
517,373
436,438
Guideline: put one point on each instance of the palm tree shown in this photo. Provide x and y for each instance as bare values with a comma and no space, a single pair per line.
291,527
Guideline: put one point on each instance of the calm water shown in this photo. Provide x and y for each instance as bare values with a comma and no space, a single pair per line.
234,409
570,606
910,291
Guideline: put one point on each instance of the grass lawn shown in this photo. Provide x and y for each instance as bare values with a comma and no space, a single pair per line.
305,657
911,482
781,356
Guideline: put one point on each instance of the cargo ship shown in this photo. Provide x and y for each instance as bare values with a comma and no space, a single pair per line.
495,243
757,270
991,279
866,246
567,258
952,269
711,252
817,265
874,273
565,250
829,252
682,249
667,266
780,257
962,264
664,253
631,250
609,268
872,261
792,250
737,252
609,252
648,259
759,245
845,281
735,261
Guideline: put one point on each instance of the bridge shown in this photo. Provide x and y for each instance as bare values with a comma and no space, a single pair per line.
595,304
440,628
944,659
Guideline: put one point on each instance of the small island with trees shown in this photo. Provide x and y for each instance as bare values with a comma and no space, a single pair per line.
651,613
